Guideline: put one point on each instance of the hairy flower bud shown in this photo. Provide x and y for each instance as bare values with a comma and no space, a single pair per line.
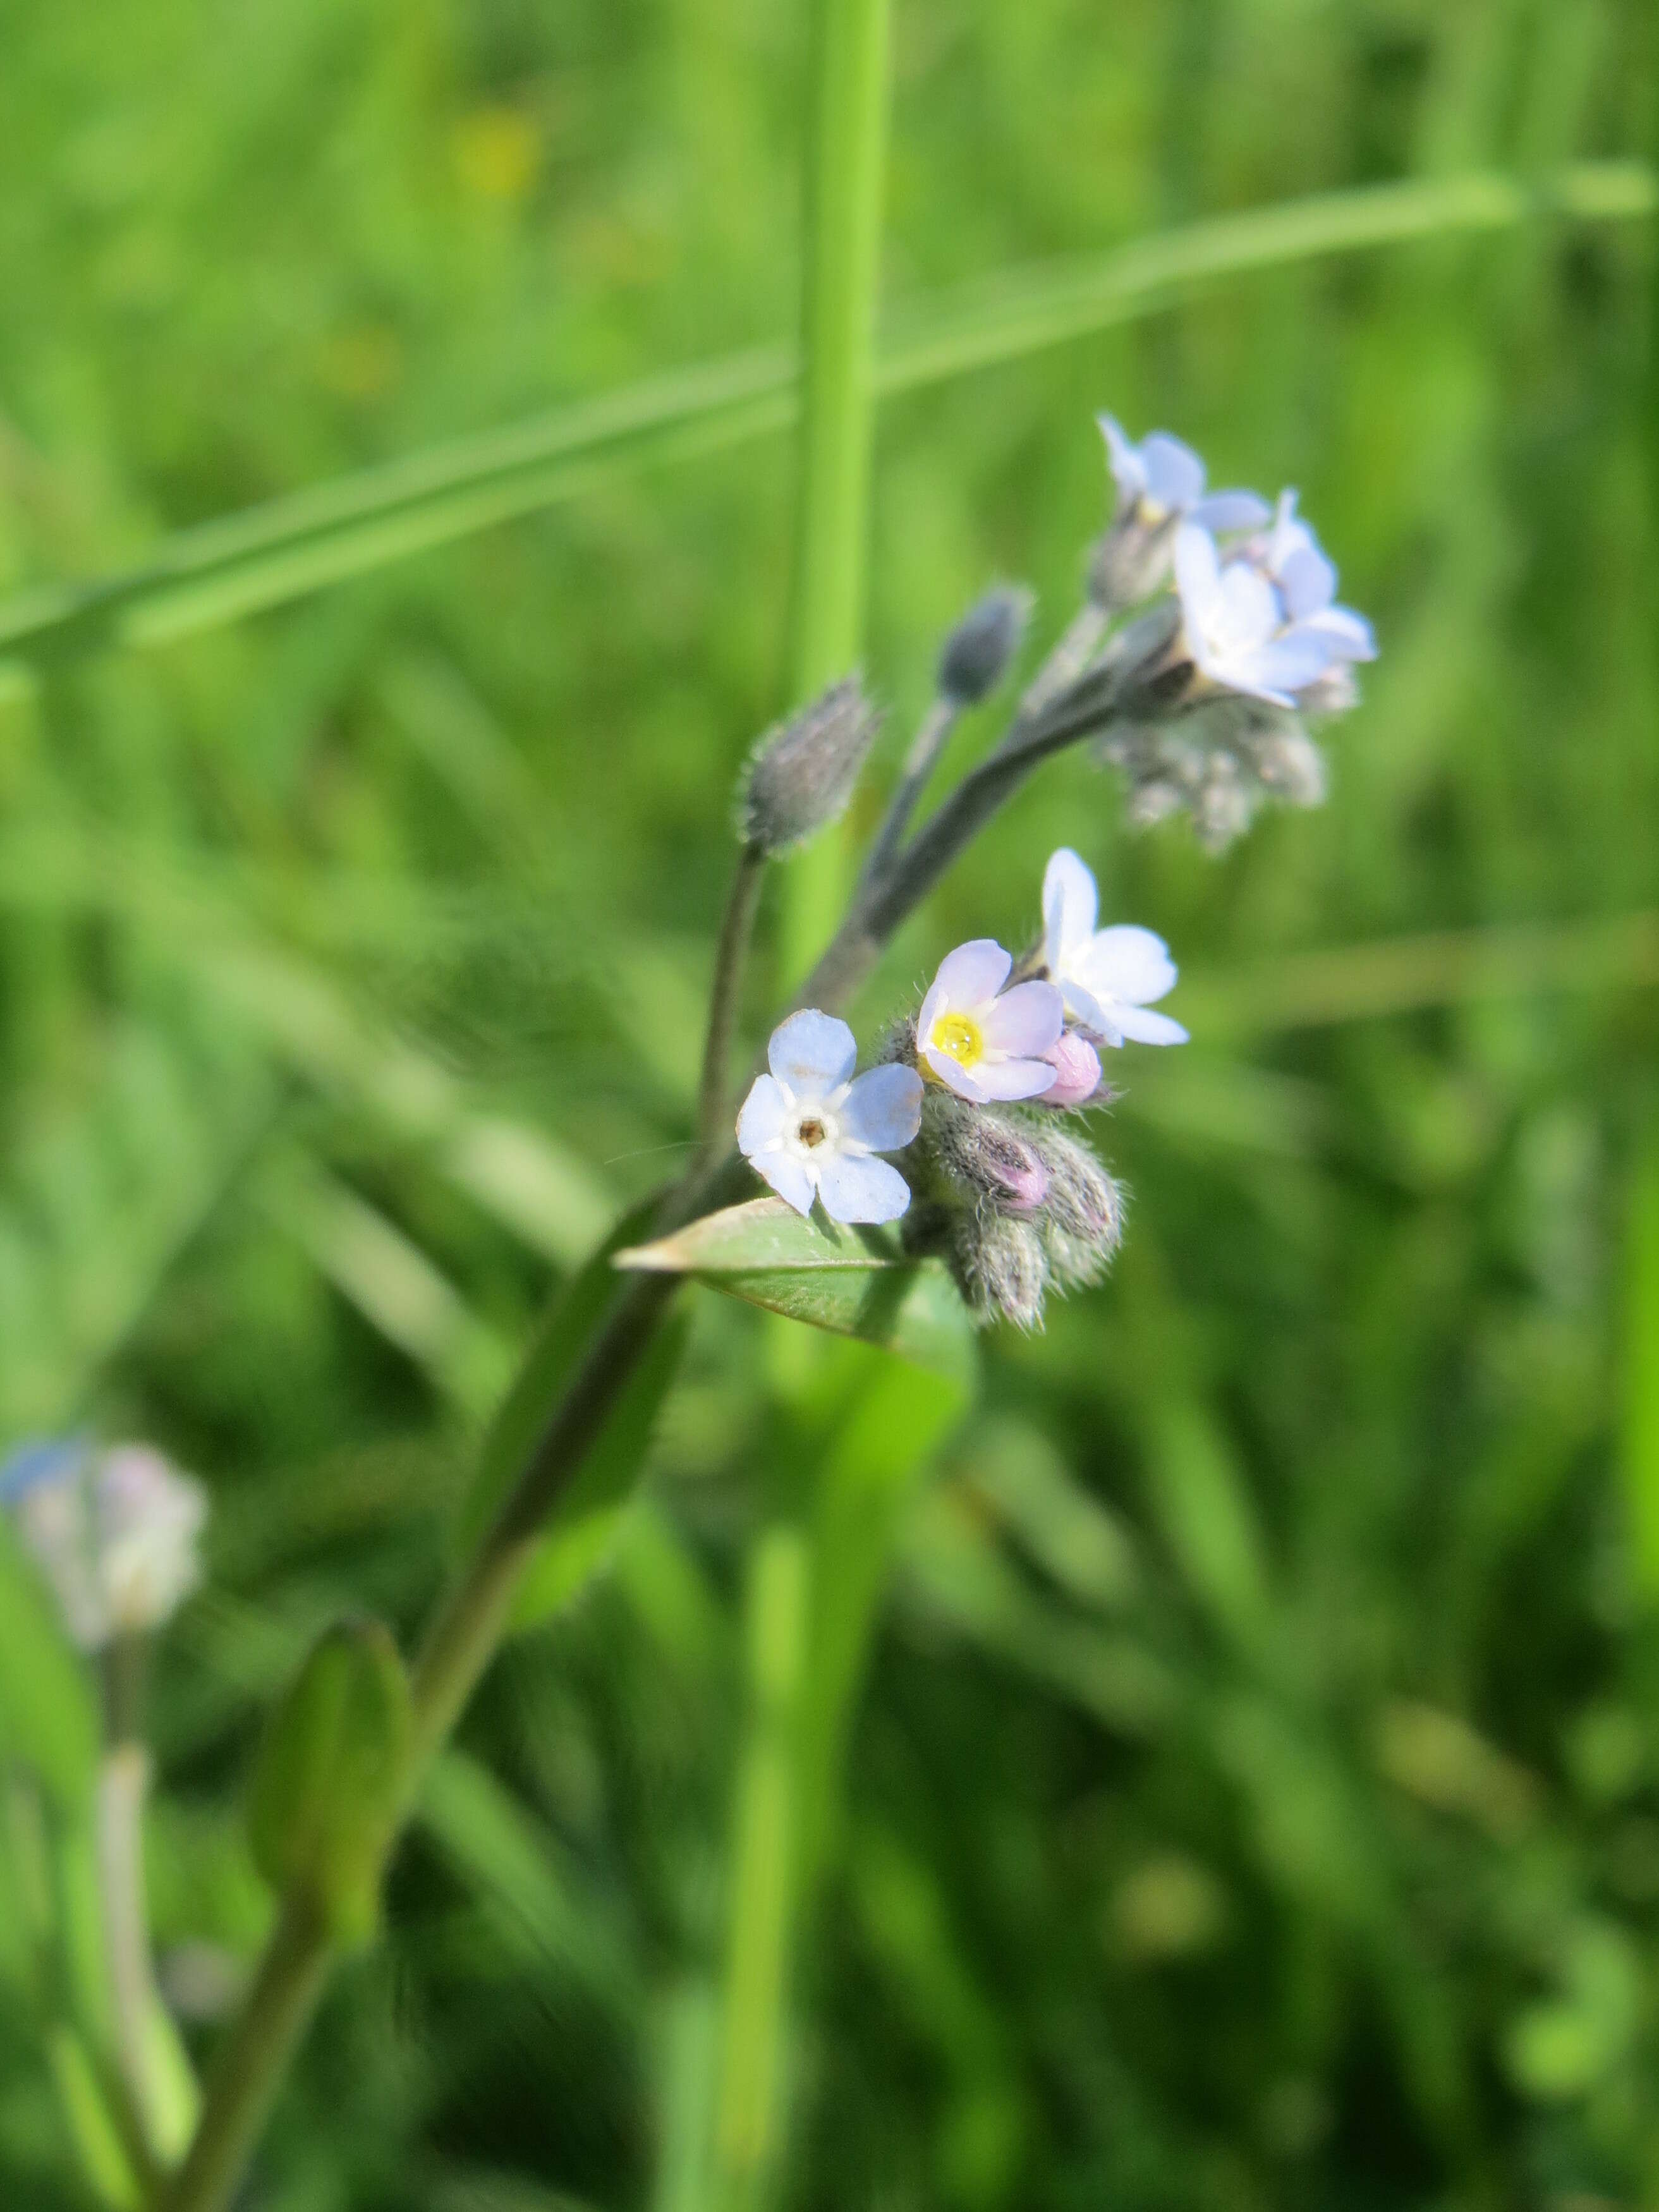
982,1154
979,649
1077,1072
1000,1267
1082,1220
801,775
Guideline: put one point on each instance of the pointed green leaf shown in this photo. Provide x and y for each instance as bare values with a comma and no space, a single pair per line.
854,1282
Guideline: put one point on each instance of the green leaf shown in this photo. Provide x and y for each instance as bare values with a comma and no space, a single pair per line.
1641,1376
854,1282
48,1720
328,1786
582,1531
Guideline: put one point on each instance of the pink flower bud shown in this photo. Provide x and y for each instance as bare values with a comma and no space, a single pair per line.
1077,1071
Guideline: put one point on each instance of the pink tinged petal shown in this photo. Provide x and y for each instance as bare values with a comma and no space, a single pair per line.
954,1076
1142,1026
1013,1079
1025,1020
789,1176
931,1007
1128,964
1307,581
1229,511
1123,459
1175,475
812,1053
970,976
1077,1071
1070,903
862,1190
882,1109
765,1115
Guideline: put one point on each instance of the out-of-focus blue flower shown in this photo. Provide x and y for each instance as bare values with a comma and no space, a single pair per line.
1161,479
1241,626
115,1531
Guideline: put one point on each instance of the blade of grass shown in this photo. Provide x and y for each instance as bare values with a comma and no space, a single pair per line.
286,547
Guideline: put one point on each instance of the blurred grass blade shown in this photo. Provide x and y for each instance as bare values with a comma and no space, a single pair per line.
268,555
869,1474
1003,318
1640,1377
512,1861
48,1723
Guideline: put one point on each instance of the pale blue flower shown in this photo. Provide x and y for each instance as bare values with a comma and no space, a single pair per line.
1305,577
1240,630
979,1041
115,1531
1161,479
1108,978
811,1127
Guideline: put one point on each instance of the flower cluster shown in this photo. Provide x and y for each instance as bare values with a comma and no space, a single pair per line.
969,1093
114,1531
1235,659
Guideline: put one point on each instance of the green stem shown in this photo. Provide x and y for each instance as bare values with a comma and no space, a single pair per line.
845,158
731,958
252,2060
763,1870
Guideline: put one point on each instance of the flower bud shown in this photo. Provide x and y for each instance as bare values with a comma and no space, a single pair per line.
1132,560
801,773
982,1155
1083,1221
1077,1071
328,1786
1000,1267
979,649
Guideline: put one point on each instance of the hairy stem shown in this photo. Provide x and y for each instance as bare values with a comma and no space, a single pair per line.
471,1619
922,759
730,959
123,1782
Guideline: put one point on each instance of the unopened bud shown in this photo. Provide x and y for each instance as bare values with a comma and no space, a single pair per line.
802,773
1077,1071
1132,560
1085,1213
980,1152
979,649
1000,1267
328,1787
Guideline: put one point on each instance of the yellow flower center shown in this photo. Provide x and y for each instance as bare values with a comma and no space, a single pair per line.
959,1036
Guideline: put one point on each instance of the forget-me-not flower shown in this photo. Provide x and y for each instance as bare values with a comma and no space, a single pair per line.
1239,629
811,1128
1161,479
979,1041
115,1531
1108,978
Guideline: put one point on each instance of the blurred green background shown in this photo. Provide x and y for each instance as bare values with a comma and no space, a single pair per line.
1251,1796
